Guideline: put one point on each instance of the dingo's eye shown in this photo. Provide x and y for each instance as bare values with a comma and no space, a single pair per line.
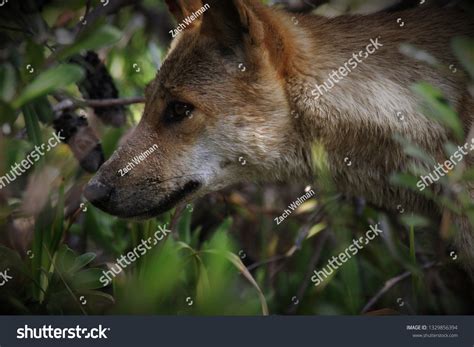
177,111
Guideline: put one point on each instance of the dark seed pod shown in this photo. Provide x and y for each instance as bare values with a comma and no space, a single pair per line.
81,139
87,149
98,85
33,6
68,123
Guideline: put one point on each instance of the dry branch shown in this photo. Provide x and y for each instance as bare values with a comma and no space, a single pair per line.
73,104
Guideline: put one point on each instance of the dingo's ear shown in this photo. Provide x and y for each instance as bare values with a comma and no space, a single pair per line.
247,25
233,22
184,8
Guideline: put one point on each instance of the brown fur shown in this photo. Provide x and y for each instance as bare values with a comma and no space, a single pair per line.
251,113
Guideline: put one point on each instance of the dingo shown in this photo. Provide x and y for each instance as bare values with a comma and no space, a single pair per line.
236,77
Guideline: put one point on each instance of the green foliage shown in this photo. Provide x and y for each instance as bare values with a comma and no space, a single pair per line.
55,78
91,40
464,49
436,106
200,269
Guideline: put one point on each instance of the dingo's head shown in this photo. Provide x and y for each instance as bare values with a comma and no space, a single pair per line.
216,114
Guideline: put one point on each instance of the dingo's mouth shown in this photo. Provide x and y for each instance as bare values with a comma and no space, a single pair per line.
106,199
169,202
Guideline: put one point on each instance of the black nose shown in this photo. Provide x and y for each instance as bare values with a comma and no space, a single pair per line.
98,193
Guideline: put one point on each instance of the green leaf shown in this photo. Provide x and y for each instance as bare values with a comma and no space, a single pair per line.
7,113
104,36
413,150
87,279
235,260
224,226
41,259
32,124
316,229
184,224
464,50
437,107
34,53
416,53
352,286
65,259
469,175
44,110
82,261
53,79
7,82
110,140
415,221
404,179
11,259
57,228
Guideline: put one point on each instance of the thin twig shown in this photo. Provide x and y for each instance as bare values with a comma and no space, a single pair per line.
103,9
16,29
392,282
296,246
174,221
73,104
267,261
86,14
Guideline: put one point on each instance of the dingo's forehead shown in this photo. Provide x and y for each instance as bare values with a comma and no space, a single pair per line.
195,61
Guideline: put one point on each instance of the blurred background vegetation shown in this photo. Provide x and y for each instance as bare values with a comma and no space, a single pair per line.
226,255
